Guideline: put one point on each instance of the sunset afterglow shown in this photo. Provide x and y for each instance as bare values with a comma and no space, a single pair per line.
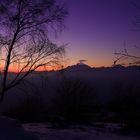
95,30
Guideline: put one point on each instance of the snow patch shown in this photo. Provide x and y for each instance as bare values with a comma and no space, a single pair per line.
11,129
44,132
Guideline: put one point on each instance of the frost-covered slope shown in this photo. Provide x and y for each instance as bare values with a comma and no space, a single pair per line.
11,129
79,133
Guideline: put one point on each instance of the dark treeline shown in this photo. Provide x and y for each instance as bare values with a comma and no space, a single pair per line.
79,100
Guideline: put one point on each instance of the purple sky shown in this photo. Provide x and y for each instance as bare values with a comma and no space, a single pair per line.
98,28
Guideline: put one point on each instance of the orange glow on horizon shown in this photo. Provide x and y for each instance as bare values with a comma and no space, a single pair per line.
95,64
39,69
12,69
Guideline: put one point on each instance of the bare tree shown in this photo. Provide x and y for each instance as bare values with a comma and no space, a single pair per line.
131,59
24,38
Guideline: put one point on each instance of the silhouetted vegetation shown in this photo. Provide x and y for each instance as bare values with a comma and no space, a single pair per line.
125,104
76,101
24,38
29,110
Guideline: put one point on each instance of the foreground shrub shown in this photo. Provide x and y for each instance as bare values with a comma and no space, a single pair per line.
76,101
29,110
126,105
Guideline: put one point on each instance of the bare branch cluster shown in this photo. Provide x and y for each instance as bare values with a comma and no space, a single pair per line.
125,55
24,37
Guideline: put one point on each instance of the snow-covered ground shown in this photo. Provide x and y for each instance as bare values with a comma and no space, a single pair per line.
11,129
45,132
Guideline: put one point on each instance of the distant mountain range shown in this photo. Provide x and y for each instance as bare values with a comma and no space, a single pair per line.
84,67
78,67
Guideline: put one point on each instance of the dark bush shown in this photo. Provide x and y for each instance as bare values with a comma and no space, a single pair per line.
30,110
75,101
125,103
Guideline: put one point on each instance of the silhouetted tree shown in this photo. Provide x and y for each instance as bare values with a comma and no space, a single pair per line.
24,37
76,101
124,54
125,103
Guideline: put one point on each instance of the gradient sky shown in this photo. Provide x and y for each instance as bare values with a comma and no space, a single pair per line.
95,29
